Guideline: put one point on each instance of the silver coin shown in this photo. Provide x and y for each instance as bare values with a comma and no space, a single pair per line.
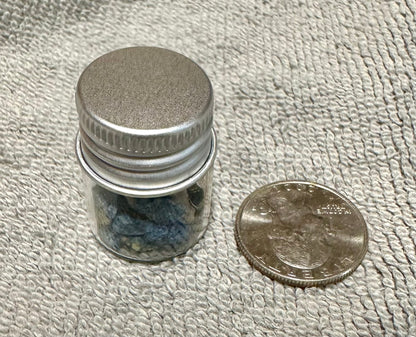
301,233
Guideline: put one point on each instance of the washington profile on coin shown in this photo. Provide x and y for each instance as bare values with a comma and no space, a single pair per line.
301,233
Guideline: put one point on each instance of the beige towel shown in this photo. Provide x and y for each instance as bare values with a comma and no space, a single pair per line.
319,90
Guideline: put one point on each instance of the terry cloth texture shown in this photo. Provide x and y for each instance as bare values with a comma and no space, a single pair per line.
322,91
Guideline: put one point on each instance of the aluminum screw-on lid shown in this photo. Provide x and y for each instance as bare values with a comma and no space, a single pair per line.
145,117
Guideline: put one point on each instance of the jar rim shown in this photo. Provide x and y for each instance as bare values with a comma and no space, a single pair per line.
146,193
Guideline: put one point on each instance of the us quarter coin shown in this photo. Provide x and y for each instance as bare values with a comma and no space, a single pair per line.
300,233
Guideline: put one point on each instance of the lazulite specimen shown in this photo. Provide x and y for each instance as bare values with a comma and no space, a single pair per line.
146,225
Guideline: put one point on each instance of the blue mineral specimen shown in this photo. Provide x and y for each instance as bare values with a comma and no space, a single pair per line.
173,235
124,224
161,210
111,210
143,224
109,238
155,223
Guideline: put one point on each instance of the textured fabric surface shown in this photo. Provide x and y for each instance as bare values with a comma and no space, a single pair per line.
312,90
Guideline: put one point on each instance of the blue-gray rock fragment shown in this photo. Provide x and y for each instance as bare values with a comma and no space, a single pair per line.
108,238
174,235
152,227
126,225
161,210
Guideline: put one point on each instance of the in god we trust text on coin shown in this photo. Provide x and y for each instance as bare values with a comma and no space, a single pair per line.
301,233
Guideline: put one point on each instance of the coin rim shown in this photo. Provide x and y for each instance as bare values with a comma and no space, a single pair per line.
257,264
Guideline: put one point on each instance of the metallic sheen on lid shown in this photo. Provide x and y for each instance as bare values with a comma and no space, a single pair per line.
145,118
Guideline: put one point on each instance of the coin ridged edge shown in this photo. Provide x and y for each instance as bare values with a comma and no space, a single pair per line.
291,281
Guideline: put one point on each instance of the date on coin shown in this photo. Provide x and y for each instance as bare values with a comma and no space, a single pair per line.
300,233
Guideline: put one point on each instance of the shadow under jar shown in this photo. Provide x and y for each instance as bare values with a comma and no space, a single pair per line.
147,148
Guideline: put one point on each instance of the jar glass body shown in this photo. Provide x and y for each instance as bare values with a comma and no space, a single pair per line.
150,229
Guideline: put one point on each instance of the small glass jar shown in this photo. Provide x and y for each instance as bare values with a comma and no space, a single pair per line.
147,148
